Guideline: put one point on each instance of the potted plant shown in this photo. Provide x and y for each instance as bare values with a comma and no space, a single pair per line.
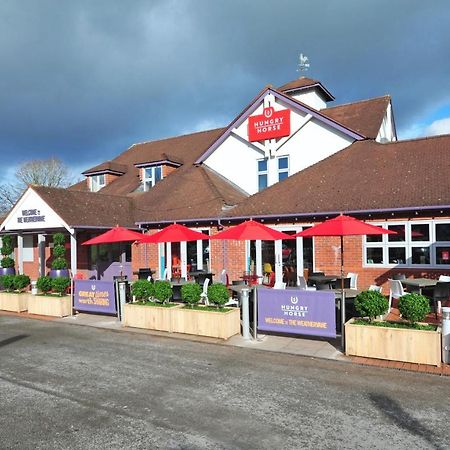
211,321
49,303
20,282
7,262
147,313
59,263
14,299
406,340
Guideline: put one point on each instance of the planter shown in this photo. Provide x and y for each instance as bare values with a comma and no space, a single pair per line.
148,317
14,302
395,344
50,305
206,323
7,271
55,273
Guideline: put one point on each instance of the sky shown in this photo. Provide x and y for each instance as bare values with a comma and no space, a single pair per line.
82,80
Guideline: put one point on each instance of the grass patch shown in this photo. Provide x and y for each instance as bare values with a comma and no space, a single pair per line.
150,303
52,295
409,326
207,308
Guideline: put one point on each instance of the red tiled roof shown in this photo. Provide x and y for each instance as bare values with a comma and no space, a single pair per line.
304,83
107,166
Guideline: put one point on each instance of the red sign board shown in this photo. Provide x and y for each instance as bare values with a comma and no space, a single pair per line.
270,124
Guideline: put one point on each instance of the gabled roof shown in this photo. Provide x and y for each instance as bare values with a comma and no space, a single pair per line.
304,83
88,209
107,167
364,116
196,192
293,103
366,176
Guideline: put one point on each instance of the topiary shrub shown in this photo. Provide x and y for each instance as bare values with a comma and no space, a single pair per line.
7,281
44,284
60,284
6,250
414,307
371,304
218,294
142,290
59,251
163,290
21,282
190,293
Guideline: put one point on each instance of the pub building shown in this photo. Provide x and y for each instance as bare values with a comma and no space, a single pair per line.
290,159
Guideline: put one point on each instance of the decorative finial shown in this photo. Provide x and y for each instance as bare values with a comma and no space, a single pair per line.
303,63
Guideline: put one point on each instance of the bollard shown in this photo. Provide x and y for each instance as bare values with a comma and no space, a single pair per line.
34,289
446,335
245,314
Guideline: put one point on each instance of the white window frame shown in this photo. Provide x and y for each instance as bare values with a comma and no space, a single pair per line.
152,179
280,171
95,182
262,172
408,244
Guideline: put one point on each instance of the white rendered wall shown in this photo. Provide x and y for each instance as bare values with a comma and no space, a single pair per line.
236,158
387,130
311,98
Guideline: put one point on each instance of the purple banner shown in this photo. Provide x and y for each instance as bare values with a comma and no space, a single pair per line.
94,296
297,311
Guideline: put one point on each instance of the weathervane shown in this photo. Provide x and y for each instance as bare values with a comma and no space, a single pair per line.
303,63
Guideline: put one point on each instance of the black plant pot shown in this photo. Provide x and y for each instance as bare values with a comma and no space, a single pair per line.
56,273
7,271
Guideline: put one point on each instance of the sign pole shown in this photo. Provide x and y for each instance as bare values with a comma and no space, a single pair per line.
245,314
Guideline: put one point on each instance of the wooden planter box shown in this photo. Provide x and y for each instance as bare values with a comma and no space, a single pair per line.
14,302
206,323
148,317
395,344
50,305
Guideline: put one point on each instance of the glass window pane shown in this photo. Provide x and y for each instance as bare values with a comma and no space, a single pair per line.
443,231
158,174
397,255
420,232
374,238
374,255
282,176
101,180
442,255
262,165
420,255
262,182
400,236
148,173
283,163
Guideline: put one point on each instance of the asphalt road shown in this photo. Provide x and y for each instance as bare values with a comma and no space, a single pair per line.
73,387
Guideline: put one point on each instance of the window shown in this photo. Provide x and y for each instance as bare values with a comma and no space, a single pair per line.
28,248
262,174
151,176
97,182
283,168
415,244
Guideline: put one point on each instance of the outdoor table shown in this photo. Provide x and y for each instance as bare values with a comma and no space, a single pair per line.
200,276
322,279
417,284
176,287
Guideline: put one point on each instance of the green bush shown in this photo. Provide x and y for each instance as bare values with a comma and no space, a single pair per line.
218,294
414,307
163,290
7,281
371,304
21,282
7,262
190,293
142,290
60,284
44,284
59,250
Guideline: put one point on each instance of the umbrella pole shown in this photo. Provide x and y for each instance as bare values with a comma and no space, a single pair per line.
342,296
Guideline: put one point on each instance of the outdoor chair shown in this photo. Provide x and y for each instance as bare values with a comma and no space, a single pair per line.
337,284
303,285
441,292
291,279
353,280
374,287
444,278
395,291
224,277
204,294
323,286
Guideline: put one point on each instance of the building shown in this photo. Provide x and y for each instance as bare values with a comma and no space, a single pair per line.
288,159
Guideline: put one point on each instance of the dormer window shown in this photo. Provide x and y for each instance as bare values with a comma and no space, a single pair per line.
97,182
151,175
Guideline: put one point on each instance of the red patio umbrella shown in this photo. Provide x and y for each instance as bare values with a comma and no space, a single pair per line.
343,226
173,233
116,234
252,231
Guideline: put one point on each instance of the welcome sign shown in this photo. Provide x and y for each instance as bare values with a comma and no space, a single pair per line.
270,124
94,296
297,311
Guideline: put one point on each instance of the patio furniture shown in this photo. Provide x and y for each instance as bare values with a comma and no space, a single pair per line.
204,294
395,291
441,292
353,280
290,278
145,274
374,287
337,284
303,285
417,284
444,278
